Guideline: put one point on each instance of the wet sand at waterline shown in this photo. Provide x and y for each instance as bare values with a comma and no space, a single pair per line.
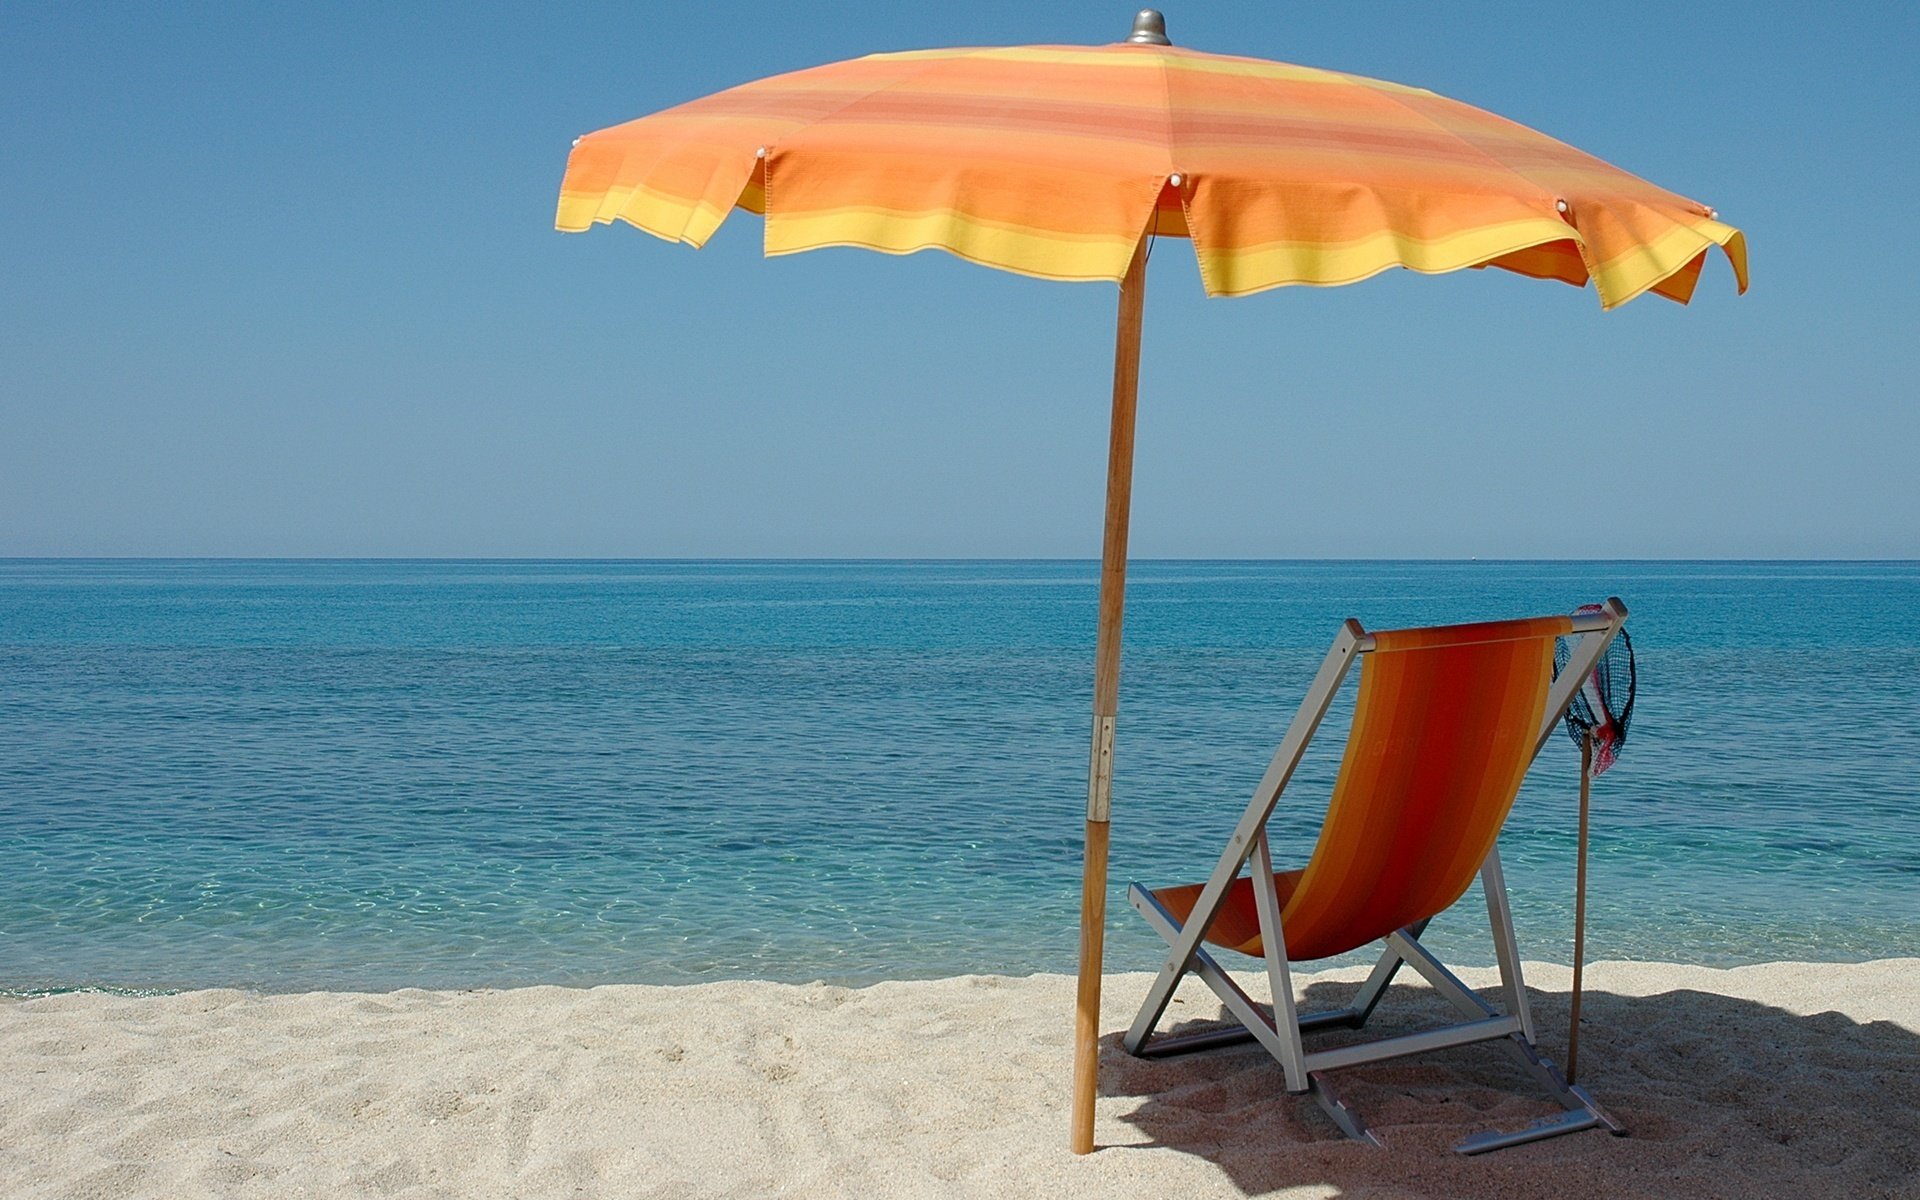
1781,1079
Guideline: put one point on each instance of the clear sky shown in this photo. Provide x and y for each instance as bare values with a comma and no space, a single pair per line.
282,280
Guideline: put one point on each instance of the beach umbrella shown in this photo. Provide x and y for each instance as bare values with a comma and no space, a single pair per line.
1063,162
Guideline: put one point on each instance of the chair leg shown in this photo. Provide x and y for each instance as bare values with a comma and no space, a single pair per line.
1279,1033
1368,997
1273,941
1582,1112
1240,1006
1160,992
1571,1097
1506,949
1342,1113
1464,999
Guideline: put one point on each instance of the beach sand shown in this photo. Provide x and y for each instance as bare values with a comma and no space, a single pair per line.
1784,1079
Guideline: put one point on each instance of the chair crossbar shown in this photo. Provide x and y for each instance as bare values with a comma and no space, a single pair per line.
1404,947
1483,1030
1375,988
1173,1045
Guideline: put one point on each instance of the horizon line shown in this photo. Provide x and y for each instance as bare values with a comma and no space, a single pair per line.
1092,559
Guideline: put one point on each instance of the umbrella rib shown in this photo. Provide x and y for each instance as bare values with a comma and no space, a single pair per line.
1166,108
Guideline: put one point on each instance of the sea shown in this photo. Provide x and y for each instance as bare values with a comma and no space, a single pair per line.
371,775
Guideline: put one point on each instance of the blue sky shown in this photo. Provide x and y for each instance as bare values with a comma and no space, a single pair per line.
282,280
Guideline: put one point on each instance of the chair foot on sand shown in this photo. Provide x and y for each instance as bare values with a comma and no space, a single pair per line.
1342,1113
1582,1112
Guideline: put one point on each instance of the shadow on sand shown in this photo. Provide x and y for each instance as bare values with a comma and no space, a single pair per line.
1722,1097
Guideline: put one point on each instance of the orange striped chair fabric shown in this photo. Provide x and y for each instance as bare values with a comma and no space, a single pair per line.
1445,726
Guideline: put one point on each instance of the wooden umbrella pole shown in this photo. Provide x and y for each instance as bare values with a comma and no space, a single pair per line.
1579,910
1106,697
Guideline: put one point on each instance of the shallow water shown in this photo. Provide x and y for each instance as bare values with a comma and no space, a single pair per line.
381,774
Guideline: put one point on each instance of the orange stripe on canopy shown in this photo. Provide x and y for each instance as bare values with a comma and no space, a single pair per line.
1054,161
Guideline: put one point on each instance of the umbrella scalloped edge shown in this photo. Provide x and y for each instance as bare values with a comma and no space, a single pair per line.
1048,162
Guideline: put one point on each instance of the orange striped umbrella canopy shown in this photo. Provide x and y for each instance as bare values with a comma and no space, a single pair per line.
1055,161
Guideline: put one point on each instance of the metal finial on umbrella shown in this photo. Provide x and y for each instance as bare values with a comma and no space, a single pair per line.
1149,28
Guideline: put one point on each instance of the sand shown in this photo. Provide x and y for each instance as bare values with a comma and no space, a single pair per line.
1785,1079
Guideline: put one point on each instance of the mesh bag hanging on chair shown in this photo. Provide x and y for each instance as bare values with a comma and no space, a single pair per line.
1604,704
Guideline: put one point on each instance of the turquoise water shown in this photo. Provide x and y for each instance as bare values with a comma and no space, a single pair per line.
294,775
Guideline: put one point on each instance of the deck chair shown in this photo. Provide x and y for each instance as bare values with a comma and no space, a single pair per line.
1446,722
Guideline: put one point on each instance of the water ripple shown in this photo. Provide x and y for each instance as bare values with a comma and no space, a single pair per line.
374,775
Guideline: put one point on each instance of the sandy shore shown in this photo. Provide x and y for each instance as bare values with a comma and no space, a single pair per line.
1782,1080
